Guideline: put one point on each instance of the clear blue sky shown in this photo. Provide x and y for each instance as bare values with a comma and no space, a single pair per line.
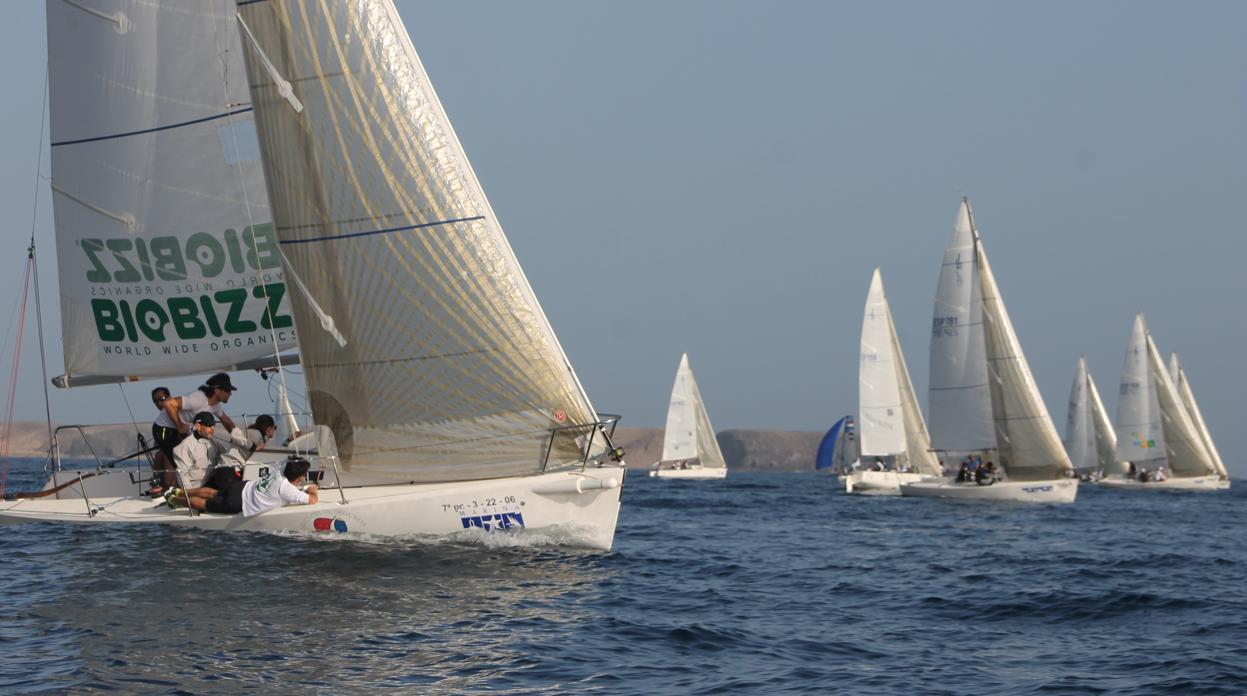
721,177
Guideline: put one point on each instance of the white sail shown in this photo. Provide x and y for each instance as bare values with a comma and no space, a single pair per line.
917,439
1105,435
1027,445
425,350
679,440
1080,424
168,261
959,401
892,422
1183,447
1139,434
1192,409
1174,367
688,435
882,429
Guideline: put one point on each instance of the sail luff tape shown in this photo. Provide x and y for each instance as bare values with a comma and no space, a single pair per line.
126,219
326,321
283,85
120,20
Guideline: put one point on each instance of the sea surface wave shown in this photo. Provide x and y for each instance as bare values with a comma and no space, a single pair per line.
757,584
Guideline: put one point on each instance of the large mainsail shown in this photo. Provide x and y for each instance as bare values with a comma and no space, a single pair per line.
882,369
1183,447
1027,443
878,395
168,260
1192,409
425,350
1139,434
688,435
959,401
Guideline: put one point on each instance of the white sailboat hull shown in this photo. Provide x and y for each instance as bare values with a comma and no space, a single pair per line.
879,482
580,508
1195,483
693,472
1055,491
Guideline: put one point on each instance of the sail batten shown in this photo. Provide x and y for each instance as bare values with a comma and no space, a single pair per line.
448,352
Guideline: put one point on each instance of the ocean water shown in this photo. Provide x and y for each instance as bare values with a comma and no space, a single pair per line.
759,584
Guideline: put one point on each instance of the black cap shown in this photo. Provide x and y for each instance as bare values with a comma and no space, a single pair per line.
205,418
263,422
221,381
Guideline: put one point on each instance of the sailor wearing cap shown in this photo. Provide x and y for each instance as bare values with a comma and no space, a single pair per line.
198,453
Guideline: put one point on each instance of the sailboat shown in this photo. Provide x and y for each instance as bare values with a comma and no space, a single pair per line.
442,400
1155,434
837,451
689,447
1090,439
894,444
983,400
1192,409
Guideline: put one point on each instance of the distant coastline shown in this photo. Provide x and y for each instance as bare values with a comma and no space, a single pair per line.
745,450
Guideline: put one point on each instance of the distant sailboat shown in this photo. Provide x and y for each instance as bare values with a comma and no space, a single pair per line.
893,440
837,451
689,447
1155,434
984,399
1192,408
1090,438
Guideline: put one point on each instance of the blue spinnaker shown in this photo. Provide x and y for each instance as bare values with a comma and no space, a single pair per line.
827,448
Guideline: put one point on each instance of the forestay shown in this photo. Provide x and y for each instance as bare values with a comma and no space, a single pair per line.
1027,443
959,400
1139,435
168,260
425,350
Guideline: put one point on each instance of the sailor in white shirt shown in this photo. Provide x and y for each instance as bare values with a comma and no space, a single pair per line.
251,498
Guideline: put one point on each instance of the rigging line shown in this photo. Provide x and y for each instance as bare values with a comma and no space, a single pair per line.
34,218
126,400
12,396
246,198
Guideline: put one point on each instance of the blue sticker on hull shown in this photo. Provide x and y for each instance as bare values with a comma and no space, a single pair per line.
489,523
